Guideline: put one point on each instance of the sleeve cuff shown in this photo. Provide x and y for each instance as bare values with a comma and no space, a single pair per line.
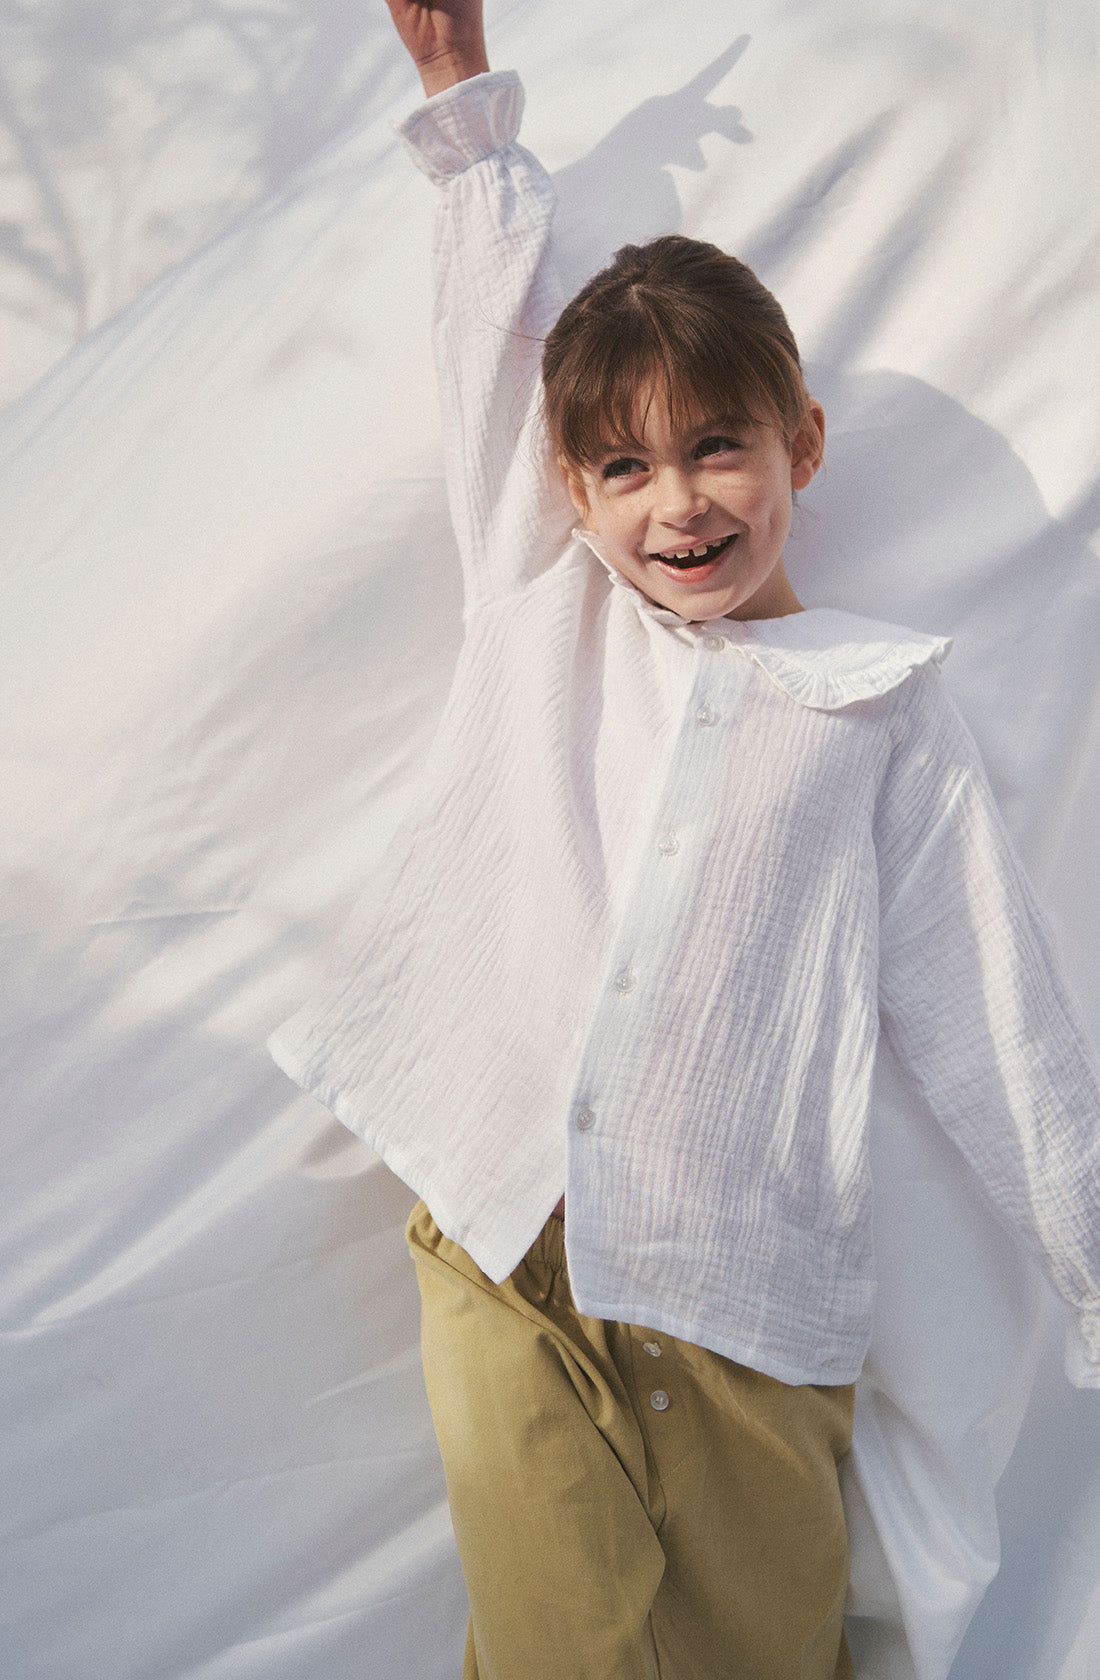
1083,1351
463,124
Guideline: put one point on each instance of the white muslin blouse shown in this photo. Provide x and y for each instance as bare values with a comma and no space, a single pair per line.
664,884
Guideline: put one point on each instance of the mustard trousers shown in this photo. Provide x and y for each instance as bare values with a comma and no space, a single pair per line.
627,1506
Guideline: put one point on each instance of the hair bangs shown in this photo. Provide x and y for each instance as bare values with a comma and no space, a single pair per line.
677,321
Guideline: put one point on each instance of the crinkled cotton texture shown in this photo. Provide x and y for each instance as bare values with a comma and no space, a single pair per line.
662,880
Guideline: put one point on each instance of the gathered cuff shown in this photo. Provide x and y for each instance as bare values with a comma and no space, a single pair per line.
464,124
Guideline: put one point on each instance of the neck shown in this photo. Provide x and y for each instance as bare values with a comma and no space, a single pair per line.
774,599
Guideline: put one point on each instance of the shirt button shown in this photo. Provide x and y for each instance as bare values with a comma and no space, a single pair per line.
659,1400
625,980
653,1348
714,644
585,1120
668,845
706,715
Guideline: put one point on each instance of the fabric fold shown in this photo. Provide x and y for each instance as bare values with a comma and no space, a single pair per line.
827,659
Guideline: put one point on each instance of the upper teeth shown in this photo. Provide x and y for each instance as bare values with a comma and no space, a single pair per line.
693,553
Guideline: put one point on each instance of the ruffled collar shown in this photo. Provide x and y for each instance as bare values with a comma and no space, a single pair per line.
823,658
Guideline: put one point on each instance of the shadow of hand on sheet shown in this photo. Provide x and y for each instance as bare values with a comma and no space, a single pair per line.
635,156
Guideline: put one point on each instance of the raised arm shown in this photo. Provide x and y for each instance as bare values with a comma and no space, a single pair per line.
496,297
446,42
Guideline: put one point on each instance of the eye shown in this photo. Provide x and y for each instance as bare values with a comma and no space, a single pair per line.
717,445
622,467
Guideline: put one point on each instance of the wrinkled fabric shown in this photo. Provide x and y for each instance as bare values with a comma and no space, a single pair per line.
659,990
634,1449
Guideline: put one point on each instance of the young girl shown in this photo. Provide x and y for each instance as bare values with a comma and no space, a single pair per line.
617,993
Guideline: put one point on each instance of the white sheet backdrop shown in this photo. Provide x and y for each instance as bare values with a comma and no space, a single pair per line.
228,615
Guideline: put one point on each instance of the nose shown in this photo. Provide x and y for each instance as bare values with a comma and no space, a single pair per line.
677,498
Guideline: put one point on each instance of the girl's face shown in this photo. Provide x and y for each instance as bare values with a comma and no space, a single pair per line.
697,520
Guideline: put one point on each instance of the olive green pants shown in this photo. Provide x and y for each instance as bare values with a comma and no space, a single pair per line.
627,1506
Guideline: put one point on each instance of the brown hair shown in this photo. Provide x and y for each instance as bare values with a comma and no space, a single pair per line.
678,317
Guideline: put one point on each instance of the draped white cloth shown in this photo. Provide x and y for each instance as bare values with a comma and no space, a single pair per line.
229,613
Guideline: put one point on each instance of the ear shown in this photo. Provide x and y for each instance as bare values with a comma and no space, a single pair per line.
808,447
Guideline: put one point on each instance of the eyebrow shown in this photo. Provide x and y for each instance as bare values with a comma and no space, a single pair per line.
607,452
715,426
721,423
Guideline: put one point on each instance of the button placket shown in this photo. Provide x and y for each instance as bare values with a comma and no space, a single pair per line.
690,758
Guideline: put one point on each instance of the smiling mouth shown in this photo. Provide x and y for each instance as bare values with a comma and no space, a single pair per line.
688,559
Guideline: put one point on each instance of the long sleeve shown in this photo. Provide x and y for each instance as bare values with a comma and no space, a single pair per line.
496,297
972,1005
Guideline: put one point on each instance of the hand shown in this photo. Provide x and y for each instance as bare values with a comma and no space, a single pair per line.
446,40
